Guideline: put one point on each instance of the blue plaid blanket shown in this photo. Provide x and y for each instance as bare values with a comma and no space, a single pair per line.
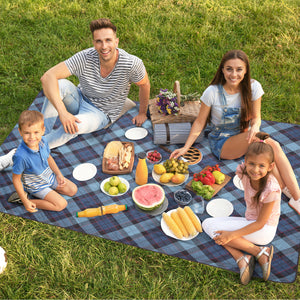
139,229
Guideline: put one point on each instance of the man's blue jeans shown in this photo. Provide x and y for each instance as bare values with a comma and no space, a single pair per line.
92,118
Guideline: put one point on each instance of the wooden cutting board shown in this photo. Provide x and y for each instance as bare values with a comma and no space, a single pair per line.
120,172
216,187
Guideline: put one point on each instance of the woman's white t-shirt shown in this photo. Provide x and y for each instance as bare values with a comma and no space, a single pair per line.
212,98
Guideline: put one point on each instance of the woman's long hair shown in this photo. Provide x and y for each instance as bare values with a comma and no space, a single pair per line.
257,148
246,94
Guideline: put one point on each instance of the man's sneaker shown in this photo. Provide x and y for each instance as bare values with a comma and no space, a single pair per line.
295,205
6,160
14,198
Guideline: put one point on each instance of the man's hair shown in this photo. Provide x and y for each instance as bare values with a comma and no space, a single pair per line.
30,117
102,23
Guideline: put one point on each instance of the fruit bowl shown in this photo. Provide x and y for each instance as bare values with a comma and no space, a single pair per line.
153,157
182,197
119,194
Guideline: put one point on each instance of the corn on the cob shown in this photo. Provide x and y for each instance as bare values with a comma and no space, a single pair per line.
176,218
193,218
186,221
172,226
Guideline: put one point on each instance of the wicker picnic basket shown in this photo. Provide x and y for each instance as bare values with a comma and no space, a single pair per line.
187,112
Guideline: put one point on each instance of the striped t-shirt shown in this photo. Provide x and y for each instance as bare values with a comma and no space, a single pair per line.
109,93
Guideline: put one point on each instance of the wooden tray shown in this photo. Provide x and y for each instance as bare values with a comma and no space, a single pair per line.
216,187
120,172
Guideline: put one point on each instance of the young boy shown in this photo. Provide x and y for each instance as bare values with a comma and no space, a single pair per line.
34,169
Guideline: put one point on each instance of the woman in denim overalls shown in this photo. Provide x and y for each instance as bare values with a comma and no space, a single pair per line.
235,123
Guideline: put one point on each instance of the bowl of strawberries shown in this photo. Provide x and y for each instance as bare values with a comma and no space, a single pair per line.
153,157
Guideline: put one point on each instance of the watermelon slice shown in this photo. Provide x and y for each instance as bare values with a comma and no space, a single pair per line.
149,196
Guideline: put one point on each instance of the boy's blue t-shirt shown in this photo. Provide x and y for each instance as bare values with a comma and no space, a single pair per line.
34,167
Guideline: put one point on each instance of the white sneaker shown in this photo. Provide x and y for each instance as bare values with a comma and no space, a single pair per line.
6,160
295,205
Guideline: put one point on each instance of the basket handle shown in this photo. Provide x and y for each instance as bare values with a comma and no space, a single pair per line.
176,90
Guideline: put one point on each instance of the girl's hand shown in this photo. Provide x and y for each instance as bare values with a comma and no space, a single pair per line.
223,237
30,206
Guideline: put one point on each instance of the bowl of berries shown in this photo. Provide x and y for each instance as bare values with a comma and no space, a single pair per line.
153,157
182,197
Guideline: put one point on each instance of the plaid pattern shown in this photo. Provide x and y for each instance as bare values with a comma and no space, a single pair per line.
139,229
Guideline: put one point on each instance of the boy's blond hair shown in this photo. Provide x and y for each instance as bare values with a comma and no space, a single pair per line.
30,117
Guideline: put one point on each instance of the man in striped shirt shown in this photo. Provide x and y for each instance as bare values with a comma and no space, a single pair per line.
105,73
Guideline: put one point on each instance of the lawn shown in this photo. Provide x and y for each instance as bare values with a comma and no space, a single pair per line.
177,40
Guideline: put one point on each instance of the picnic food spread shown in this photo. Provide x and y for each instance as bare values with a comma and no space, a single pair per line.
181,223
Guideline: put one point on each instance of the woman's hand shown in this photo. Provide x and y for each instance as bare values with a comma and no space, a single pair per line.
178,152
223,237
251,134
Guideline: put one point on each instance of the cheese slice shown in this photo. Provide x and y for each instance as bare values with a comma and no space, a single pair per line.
112,149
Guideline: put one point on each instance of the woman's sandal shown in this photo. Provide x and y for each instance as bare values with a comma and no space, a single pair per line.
246,272
266,267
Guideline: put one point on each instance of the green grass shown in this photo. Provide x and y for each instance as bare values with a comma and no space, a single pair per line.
177,40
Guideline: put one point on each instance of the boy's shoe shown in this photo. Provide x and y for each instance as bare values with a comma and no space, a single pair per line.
14,198
6,160
295,205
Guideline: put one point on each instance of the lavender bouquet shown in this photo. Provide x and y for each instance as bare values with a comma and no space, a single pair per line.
166,102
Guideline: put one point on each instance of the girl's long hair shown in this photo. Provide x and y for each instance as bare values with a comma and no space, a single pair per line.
246,94
257,148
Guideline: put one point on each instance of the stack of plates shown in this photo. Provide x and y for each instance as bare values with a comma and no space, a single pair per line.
172,133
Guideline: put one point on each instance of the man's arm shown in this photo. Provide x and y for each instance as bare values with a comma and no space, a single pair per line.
51,90
144,94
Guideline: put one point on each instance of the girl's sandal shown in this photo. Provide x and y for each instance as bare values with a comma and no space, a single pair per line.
246,272
266,267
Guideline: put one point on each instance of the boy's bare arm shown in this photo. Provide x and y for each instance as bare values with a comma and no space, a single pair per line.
29,205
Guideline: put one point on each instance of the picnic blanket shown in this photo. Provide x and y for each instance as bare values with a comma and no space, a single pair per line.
142,230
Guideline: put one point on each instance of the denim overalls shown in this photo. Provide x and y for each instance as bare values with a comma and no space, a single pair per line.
229,126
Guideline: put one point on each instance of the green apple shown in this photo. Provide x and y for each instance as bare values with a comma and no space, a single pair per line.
122,187
113,190
106,186
114,180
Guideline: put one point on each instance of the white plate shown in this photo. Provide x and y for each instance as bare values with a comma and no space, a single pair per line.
219,208
136,133
238,182
120,194
168,232
84,172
